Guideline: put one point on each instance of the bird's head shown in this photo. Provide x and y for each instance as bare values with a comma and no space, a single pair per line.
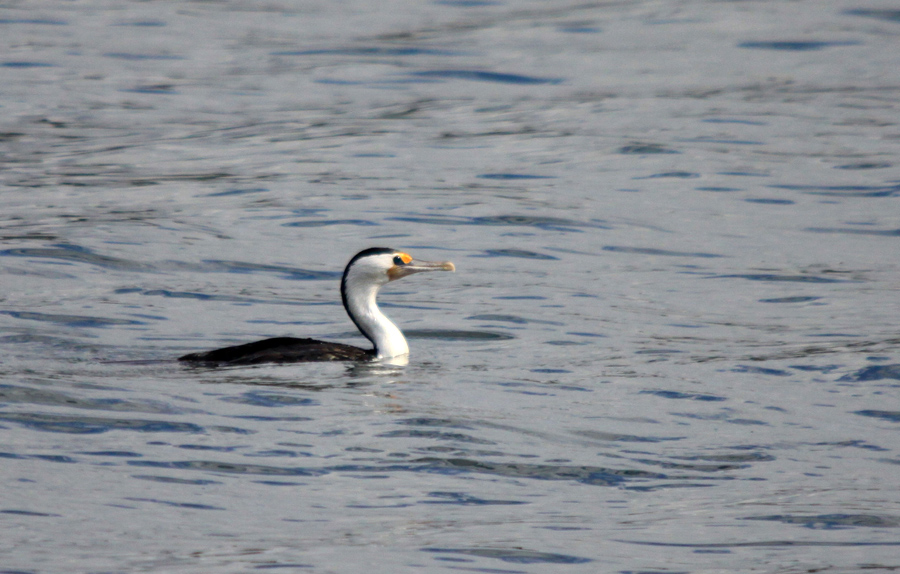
380,265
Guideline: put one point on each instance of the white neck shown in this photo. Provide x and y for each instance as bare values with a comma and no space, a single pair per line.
360,302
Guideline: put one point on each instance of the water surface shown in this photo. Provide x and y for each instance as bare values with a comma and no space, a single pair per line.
670,345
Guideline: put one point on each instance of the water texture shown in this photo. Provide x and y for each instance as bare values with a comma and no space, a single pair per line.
671,343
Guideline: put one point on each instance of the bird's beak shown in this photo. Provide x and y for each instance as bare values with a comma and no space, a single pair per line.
415,266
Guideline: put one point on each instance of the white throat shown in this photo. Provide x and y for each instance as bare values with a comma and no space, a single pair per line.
359,298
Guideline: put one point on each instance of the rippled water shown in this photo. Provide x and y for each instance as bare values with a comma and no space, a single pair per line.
671,344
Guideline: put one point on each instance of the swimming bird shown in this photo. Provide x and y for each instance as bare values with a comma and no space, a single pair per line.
366,273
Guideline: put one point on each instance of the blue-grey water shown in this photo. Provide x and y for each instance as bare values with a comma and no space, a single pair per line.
671,344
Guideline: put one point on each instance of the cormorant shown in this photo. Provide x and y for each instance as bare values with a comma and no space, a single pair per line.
366,273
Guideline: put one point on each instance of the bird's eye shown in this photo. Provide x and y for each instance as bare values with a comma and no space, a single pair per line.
402,259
